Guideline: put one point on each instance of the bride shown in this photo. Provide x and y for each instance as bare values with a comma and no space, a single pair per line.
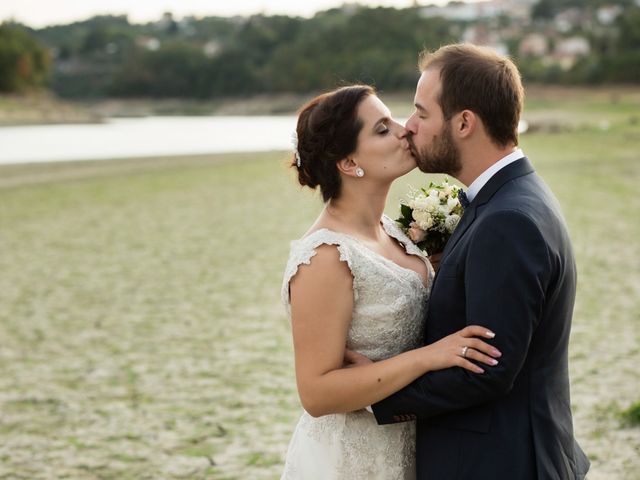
355,281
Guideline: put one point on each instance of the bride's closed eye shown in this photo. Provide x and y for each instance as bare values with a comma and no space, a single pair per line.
383,129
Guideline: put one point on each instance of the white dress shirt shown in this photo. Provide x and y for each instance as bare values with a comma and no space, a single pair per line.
485,176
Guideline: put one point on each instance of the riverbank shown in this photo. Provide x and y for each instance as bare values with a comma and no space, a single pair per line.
45,108
143,335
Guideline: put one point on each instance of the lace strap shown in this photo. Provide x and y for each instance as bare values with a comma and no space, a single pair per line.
303,250
392,229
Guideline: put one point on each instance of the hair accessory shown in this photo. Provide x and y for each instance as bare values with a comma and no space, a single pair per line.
294,142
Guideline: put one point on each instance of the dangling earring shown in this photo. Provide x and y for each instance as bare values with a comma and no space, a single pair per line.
359,172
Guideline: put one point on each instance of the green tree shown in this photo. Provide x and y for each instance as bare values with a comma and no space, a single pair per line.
175,70
24,62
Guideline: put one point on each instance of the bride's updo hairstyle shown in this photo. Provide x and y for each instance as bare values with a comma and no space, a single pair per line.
327,130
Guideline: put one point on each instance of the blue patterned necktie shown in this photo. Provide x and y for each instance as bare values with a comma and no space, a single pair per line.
462,197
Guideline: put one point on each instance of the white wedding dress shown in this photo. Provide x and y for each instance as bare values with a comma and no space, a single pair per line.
388,314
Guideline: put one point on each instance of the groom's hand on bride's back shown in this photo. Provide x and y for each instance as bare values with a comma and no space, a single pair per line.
354,359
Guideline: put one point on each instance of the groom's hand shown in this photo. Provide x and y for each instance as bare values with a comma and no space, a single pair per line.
354,359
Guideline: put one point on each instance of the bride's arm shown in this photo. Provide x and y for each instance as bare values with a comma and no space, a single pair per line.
321,307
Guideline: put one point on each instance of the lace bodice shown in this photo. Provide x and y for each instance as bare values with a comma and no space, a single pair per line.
389,300
387,319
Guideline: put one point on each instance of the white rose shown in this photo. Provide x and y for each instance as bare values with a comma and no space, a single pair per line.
447,189
423,219
432,202
420,203
451,222
452,203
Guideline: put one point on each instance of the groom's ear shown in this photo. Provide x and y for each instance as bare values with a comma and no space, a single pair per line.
347,166
465,123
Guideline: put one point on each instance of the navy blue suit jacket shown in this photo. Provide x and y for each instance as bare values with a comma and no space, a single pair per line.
509,267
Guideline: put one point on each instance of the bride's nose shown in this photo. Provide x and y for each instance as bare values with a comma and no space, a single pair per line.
399,131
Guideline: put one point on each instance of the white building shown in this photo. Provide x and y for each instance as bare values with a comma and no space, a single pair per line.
459,11
149,43
211,48
573,46
486,37
607,15
534,45
568,50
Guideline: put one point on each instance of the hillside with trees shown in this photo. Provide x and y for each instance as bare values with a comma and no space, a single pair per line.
559,41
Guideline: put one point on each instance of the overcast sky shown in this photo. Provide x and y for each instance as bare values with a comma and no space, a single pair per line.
39,13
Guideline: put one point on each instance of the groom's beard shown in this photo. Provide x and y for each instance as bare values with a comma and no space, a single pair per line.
442,156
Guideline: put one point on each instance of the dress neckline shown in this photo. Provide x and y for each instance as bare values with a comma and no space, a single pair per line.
389,231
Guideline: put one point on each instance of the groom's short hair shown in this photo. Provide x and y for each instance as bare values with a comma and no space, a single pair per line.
479,79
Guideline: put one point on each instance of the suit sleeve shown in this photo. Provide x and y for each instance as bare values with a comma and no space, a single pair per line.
506,272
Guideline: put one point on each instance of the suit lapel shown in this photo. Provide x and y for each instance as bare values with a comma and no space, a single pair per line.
467,219
513,170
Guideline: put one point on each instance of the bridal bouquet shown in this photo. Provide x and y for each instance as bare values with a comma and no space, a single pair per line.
430,215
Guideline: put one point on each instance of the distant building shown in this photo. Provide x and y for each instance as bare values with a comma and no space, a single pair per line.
485,36
149,43
186,25
571,18
461,11
576,46
350,8
607,15
211,48
534,45
569,50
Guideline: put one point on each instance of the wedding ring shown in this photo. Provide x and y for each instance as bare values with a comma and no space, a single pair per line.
464,351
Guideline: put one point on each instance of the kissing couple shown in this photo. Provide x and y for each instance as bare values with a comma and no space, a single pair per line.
405,373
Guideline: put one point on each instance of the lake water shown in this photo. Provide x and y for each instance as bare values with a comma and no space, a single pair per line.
147,137
144,137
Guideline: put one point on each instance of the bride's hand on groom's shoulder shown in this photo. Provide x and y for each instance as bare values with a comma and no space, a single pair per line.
458,349
354,359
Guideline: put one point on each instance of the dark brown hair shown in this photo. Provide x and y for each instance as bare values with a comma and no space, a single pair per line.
478,79
328,128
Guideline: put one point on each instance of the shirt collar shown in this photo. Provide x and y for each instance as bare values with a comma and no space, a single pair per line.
482,180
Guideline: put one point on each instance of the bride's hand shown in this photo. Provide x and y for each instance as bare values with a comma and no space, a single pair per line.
458,348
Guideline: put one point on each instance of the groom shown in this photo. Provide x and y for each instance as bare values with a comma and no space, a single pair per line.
509,266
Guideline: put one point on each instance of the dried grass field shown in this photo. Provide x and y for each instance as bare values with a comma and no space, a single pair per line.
141,330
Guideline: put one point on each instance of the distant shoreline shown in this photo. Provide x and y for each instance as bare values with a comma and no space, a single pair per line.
43,108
